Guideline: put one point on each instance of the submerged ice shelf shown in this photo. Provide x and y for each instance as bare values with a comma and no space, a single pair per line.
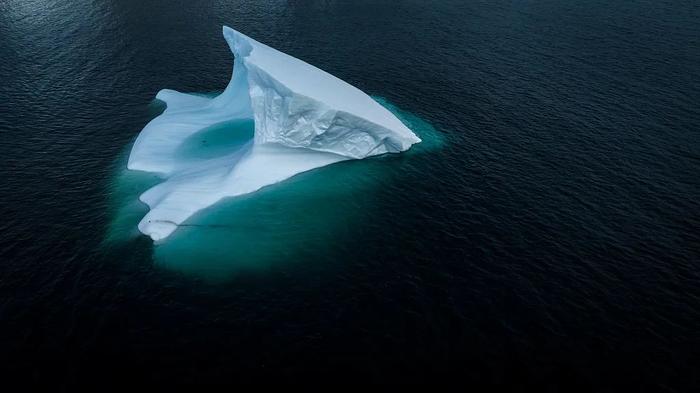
304,118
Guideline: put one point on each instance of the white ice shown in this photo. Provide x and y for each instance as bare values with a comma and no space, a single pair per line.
304,118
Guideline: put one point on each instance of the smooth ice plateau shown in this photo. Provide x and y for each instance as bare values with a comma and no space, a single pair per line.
304,118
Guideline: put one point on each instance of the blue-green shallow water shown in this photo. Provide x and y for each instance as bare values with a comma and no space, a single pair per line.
284,224
553,242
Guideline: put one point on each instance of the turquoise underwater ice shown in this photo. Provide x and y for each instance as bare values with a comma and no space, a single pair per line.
283,223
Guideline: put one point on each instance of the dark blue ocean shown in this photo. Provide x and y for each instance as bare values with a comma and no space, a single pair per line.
545,236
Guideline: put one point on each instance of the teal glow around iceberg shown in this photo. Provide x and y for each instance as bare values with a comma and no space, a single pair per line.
280,224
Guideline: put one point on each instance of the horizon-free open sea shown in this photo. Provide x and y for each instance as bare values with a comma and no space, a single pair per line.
546,235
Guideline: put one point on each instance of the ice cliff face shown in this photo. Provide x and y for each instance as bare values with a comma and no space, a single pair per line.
304,118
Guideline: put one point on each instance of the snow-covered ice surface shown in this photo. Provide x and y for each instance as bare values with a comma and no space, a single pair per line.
304,118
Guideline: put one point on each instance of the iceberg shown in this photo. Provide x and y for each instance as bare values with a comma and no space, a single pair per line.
303,118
